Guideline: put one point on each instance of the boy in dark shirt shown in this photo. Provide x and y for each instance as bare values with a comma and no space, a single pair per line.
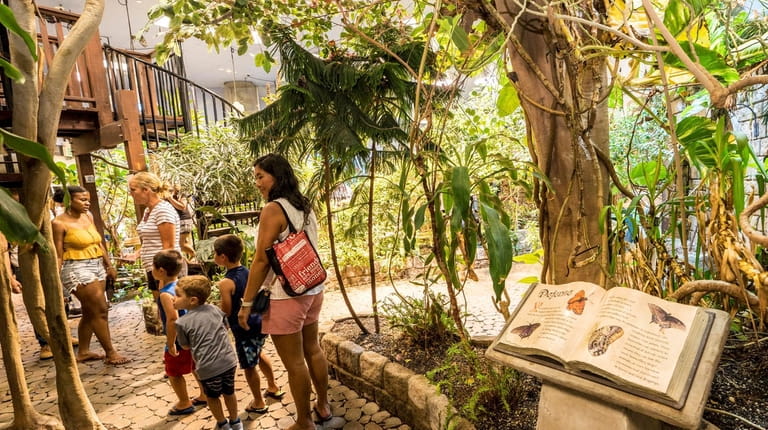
203,331
228,250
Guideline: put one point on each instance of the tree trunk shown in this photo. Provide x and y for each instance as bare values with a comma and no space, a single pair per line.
371,255
563,98
332,239
37,118
24,414
25,103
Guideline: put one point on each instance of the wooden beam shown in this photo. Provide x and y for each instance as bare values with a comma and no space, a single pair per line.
87,176
97,76
128,114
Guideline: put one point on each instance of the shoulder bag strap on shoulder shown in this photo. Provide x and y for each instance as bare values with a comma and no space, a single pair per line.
287,218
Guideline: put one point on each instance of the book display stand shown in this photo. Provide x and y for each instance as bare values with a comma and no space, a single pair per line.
577,403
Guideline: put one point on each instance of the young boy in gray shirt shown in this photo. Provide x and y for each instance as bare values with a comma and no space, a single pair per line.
203,330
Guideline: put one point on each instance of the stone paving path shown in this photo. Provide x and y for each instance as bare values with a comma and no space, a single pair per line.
137,396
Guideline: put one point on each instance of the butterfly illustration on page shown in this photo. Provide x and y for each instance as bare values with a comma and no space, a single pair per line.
577,302
664,319
525,330
602,338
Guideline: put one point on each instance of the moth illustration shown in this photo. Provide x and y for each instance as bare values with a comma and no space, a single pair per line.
602,338
525,330
577,302
664,319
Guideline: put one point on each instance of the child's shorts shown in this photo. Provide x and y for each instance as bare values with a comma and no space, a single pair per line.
220,384
180,365
248,349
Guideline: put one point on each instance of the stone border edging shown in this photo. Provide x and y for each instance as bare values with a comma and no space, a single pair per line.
394,387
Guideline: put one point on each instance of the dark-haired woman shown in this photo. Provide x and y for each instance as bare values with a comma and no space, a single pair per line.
291,321
84,266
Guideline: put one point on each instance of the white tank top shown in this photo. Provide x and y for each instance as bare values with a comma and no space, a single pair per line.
296,217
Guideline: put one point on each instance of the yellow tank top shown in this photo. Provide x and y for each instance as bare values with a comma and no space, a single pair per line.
82,244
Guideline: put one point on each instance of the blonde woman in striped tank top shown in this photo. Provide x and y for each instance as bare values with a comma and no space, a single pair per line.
84,265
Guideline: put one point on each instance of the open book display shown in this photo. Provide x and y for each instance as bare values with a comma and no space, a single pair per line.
642,344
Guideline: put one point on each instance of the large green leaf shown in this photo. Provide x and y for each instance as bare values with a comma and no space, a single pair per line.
711,60
508,100
500,250
676,16
11,71
696,134
32,149
15,223
649,174
694,128
460,185
8,20
459,37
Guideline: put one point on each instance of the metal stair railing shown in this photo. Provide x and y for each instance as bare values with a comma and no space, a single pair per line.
170,105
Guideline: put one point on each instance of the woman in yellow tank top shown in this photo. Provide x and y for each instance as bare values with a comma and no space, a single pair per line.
84,266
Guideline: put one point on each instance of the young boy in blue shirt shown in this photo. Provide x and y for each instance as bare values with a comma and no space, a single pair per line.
203,331
228,250
166,266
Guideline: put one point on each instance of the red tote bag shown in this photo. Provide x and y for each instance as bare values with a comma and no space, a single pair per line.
295,261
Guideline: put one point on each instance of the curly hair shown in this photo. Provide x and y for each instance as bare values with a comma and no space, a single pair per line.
195,286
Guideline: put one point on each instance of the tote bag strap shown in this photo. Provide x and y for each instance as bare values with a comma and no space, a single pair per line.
291,228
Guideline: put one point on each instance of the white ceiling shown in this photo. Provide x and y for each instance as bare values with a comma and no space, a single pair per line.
204,67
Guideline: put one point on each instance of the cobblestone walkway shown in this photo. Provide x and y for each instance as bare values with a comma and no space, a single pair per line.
137,396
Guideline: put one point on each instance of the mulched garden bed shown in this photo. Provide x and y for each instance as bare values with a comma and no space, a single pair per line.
739,390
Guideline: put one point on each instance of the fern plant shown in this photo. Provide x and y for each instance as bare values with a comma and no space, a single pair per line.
420,320
489,385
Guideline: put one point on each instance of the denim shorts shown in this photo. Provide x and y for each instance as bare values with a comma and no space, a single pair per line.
75,273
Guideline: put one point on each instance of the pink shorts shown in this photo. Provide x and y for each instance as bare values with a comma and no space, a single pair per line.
289,316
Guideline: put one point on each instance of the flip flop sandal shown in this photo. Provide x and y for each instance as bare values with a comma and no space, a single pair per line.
185,411
321,419
277,395
257,410
199,402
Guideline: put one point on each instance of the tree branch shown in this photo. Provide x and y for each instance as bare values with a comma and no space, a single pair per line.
746,227
714,286
717,93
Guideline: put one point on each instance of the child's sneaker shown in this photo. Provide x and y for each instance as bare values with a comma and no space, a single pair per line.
225,426
236,424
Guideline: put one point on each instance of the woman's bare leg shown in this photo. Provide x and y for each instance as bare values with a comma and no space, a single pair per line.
95,306
85,328
318,367
290,349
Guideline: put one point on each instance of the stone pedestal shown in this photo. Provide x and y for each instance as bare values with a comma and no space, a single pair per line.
571,401
561,408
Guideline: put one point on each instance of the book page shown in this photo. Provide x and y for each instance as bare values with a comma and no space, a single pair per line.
637,337
549,317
